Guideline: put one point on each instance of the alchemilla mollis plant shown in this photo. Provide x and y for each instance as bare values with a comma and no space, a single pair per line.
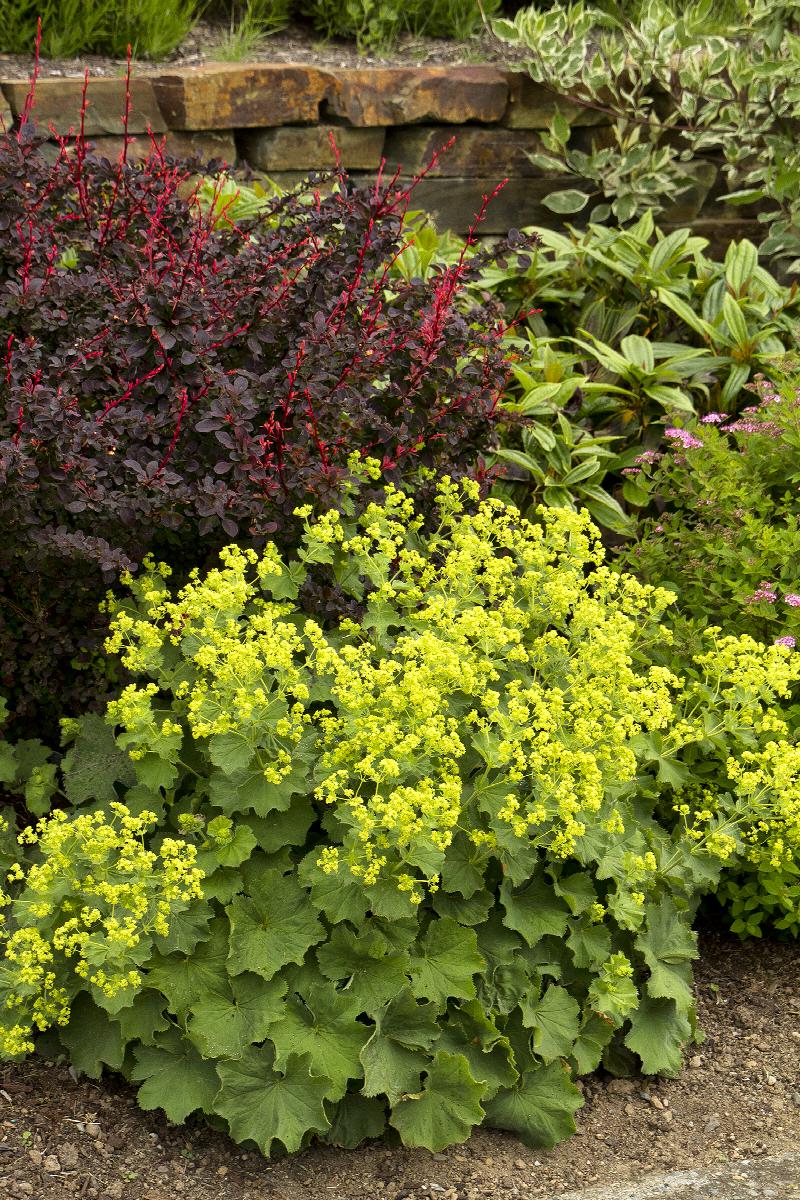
451,846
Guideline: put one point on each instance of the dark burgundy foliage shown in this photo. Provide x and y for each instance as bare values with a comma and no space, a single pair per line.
171,380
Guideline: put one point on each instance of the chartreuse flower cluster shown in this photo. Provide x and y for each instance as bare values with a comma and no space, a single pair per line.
83,915
451,845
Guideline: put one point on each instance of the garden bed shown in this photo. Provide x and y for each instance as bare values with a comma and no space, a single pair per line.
739,1097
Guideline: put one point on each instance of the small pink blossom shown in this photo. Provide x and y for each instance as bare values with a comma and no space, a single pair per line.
792,599
764,591
631,470
786,641
686,439
713,418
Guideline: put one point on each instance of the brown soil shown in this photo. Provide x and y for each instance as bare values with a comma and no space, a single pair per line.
293,45
739,1096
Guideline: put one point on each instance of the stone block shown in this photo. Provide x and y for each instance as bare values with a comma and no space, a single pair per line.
453,203
475,151
241,96
208,144
367,96
58,105
308,147
532,106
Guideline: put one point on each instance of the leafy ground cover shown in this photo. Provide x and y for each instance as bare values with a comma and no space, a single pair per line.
736,1099
396,825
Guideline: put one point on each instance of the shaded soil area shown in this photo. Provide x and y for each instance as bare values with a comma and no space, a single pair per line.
738,1097
296,44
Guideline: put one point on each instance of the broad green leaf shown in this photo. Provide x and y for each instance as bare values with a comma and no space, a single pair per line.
144,1019
95,763
466,912
590,945
339,896
464,867
224,1026
594,1035
230,853
289,829
554,1020
174,1077
539,1110
323,1026
262,1106
230,752
470,1032
372,970
356,1119
639,351
186,929
240,791
445,1111
577,890
183,978
735,320
398,1047
273,926
567,201
92,1039
668,945
445,961
534,910
8,763
658,1034
615,998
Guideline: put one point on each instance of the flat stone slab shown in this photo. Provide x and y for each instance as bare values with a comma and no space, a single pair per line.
775,1178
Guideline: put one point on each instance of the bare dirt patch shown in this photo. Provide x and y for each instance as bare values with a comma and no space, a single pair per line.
739,1097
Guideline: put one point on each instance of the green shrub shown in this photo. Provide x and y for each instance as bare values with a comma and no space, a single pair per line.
377,23
681,84
726,539
436,882
634,329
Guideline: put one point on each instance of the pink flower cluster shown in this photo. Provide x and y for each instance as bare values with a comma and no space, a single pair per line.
786,641
764,591
792,599
714,418
686,439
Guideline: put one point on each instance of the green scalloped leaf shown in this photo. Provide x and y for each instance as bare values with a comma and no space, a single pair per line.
264,1106
144,1019
275,925
540,1109
668,945
445,962
398,1048
174,1077
323,1026
447,1109
356,1120
92,1039
186,929
95,763
340,897
554,1021
471,1033
183,978
224,1026
658,1034
534,910
374,971
595,1033
590,945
